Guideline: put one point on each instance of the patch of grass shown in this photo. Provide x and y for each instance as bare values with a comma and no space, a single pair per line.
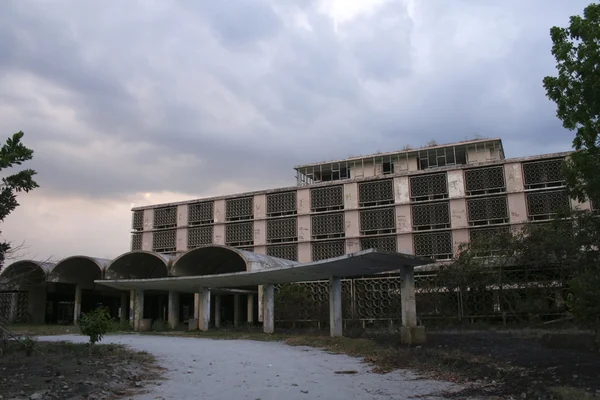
569,393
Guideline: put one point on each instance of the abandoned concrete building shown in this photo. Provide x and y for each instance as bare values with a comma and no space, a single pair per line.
414,207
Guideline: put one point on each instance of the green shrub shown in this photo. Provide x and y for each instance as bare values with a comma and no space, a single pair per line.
95,324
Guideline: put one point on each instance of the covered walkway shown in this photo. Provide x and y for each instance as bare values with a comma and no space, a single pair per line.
220,269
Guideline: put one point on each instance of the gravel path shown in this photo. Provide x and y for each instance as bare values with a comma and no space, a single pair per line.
243,369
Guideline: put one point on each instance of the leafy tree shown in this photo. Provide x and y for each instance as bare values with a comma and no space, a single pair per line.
576,92
13,153
95,324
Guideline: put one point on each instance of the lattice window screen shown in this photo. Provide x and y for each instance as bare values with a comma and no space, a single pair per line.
382,243
327,198
282,230
436,245
136,241
545,173
328,226
164,241
285,251
329,249
138,220
200,236
429,187
201,213
165,217
376,193
239,209
482,239
431,216
489,210
378,221
484,180
279,204
239,234
543,205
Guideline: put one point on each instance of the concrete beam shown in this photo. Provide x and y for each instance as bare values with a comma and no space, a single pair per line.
250,309
173,312
268,301
335,306
203,309
77,304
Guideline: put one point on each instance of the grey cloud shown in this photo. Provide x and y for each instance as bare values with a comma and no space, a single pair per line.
200,86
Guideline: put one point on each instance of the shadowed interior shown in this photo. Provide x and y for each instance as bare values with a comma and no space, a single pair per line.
23,274
79,269
137,265
209,260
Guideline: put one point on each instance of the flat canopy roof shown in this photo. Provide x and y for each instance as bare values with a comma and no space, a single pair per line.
364,263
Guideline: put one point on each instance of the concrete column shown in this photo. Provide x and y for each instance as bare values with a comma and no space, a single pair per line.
250,309
260,303
173,309
77,307
335,306
132,308
196,305
14,307
36,305
410,333
203,309
123,307
236,310
218,311
268,303
139,309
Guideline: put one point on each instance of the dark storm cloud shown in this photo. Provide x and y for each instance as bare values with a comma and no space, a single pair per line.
167,98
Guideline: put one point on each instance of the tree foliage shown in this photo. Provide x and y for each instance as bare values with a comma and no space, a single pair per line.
576,92
13,153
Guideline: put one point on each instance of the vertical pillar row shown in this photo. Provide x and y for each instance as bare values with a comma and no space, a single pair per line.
203,309
132,308
250,309
139,309
410,333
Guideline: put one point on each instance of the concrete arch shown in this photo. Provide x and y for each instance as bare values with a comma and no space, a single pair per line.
81,270
139,265
218,259
25,273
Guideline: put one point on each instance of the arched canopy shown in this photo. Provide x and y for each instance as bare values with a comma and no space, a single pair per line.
80,270
25,273
215,259
139,265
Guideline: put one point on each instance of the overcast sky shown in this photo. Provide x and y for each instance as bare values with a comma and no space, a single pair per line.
147,101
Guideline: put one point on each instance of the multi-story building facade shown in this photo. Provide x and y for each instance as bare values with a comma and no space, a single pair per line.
424,201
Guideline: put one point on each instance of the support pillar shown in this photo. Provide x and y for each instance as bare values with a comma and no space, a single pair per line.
217,311
236,310
139,309
77,306
123,307
173,312
14,307
335,306
268,302
250,309
132,308
204,308
260,303
410,333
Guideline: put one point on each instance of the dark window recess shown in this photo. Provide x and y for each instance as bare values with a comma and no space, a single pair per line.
201,213
484,181
239,209
487,211
165,217
280,204
429,187
164,241
239,234
328,249
381,243
138,220
327,198
431,216
377,221
282,230
543,174
437,245
328,226
284,251
376,193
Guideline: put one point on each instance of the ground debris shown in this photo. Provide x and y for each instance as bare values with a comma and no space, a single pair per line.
65,371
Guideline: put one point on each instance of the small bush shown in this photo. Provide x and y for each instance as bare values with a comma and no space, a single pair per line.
28,344
95,324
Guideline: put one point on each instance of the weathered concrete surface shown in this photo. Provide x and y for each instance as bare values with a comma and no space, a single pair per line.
241,369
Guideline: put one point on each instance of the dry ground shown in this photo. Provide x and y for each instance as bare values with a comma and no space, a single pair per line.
65,370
